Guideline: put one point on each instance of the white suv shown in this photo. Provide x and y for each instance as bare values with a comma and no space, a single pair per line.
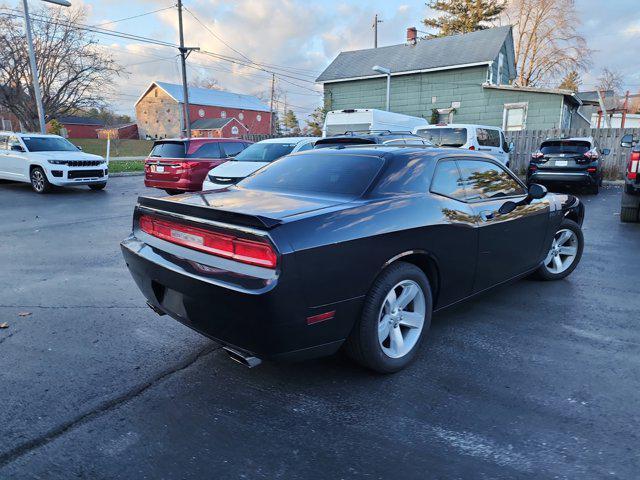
483,138
47,160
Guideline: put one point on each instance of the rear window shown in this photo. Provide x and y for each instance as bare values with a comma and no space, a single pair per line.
168,150
445,137
265,152
316,172
565,146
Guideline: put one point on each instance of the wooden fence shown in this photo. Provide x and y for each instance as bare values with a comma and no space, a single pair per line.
527,141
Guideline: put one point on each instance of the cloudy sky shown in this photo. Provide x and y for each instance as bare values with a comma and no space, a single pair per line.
298,39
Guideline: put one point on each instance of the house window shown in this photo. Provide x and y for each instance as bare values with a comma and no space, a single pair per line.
6,125
500,67
201,112
259,118
514,117
445,115
223,114
241,116
234,130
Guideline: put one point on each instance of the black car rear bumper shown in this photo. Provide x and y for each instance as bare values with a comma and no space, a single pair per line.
582,178
265,318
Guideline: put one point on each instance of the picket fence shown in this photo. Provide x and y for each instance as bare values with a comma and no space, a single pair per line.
527,141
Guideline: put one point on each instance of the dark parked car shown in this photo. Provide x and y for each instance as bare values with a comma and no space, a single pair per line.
631,193
569,161
353,247
181,165
372,137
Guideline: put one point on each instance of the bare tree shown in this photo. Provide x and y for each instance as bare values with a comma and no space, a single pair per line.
75,73
546,39
203,81
610,80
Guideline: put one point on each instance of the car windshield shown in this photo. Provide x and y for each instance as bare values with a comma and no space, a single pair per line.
264,152
168,150
319,173
445,137
553,147
49,144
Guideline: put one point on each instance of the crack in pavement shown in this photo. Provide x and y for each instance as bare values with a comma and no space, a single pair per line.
53,434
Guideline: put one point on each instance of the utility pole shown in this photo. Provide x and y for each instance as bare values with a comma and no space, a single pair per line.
273,91
32,60
184,53
375,30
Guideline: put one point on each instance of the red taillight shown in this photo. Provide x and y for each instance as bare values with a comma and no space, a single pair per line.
472,147
219,244
537,155
533,168
592,169
633,165
592,155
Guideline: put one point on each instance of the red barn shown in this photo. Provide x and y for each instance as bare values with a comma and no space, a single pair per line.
160,109
79,127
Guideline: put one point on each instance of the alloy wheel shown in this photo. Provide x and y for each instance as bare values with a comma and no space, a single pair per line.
562,254
401,319
37,180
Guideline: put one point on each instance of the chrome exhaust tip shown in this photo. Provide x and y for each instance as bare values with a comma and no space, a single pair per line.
248,361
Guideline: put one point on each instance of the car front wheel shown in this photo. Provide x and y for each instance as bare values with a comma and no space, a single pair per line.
396,314
39,181
565,252
98,186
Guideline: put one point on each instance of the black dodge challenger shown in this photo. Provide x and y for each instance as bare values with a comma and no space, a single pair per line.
352,247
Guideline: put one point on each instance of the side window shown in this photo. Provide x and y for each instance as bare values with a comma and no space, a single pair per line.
447,180
505,145
3,142
306,146
208,150
484,180
13,141
231,149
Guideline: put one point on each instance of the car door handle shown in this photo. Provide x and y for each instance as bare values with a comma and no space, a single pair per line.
487,215
484,149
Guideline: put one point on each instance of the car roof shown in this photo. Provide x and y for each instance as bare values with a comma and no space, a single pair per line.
382,150
289,140
199,139
569,139
457,125
24,134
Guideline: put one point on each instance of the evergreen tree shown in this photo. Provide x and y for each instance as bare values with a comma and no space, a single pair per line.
463,16
290,121
571,81
316,121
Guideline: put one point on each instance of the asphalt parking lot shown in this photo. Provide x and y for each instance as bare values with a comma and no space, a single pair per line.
534,380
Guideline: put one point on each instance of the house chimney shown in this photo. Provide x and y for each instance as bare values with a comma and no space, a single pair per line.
412,35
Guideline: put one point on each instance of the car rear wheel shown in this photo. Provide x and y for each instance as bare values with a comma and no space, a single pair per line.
39,181
595,189
565,252
98,186
395,316
630,209
173,192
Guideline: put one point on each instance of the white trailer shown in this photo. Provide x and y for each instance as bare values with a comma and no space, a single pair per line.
359,119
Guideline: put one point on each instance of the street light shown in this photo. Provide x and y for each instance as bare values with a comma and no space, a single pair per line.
387,72
32,58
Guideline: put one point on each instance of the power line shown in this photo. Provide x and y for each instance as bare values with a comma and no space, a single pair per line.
135,16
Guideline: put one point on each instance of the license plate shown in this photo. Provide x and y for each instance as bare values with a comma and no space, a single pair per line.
160,168
561,163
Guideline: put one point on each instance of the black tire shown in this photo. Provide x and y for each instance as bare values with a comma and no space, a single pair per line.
39,181
595,189
630,208
544,273
98,186
173,192
363,345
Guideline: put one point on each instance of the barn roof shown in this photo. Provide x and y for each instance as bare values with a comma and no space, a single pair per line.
210,97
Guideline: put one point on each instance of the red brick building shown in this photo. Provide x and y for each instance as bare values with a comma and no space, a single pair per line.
79,127
159,110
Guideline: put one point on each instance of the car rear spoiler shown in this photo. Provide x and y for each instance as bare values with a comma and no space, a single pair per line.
206,212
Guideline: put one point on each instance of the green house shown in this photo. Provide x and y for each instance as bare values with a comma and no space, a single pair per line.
457,79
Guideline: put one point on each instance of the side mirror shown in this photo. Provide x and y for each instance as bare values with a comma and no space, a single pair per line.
537,191
512,147
627,141
78,147
606,151
507,207
17,148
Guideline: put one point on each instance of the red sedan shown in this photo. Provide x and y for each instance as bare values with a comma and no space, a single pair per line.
181,165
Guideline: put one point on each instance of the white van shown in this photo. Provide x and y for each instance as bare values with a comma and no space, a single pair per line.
338,122
472,137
